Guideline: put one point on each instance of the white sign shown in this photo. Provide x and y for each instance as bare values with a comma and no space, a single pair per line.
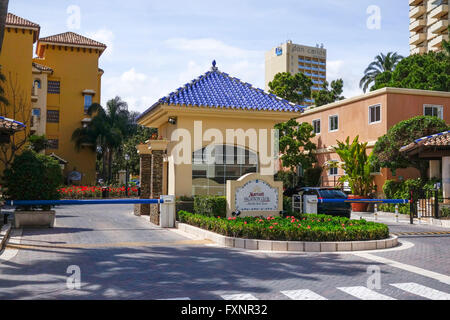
256,195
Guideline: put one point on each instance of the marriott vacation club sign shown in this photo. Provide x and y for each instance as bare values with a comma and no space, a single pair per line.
255,195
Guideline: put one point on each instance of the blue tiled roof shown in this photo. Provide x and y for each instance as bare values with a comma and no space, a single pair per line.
219,90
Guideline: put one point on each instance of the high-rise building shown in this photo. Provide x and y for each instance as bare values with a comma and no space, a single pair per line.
295,58
429,21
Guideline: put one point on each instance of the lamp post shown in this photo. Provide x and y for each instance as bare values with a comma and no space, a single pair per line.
127,158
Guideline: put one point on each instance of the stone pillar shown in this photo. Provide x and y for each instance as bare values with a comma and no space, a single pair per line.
145,179
435,169
158,148
446,178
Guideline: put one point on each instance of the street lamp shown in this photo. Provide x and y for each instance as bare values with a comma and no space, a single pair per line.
127,158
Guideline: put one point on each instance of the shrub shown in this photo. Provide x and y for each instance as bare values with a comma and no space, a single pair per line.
301,228
213,206
33,176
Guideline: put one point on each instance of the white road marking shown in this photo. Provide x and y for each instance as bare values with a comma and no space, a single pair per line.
422,291
173,299
364,293
302,295
243,296
423,272
14,238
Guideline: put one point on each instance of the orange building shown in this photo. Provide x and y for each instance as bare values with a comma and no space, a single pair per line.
54,89
370,116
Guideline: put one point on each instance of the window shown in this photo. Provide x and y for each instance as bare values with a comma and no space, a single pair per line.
316,126
334,123
433,111
53,144
53,116
333,171
87,102
37,84
54,87
375,114
209,176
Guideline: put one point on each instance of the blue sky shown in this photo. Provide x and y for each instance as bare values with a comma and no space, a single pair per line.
154,47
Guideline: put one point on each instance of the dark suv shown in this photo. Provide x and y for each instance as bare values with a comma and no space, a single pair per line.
332,209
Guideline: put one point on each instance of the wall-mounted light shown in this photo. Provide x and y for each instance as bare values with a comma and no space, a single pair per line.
173,120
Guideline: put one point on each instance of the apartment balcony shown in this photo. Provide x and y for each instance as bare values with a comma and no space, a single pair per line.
436,43
417,25
417,38
438,27
417,12
415,2
438,12
418,50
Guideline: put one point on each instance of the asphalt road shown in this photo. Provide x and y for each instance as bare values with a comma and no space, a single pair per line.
120,256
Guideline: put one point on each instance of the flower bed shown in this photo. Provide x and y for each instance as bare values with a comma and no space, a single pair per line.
312,228
85,192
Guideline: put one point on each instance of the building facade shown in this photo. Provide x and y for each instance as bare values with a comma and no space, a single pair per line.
295,58
429,21
56,87
370,116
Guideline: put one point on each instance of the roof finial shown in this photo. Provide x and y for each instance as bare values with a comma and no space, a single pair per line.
214,68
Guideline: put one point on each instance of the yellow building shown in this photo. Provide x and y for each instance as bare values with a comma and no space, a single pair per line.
219,116
295,58
429,21
58,86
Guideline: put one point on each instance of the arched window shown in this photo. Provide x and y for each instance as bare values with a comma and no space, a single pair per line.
212,167
37,84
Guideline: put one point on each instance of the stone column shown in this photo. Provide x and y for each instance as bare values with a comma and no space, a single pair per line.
446,178
158,148
435,169
145,175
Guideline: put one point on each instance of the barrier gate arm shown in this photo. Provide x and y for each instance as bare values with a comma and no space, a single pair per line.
15,203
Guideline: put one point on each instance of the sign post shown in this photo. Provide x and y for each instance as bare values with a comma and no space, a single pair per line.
255,195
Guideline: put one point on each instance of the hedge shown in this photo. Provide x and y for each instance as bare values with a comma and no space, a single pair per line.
301,228
210,206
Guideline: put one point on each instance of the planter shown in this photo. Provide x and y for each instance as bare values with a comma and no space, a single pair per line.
359,207
40,219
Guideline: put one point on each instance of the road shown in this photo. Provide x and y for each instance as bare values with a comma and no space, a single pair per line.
121,256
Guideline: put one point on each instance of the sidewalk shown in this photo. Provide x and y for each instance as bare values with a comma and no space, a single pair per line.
402,218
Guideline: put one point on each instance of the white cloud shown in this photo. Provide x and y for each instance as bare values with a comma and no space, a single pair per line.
340,69
104,36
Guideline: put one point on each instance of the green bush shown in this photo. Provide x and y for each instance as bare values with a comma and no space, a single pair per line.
290,179
211,206
302,228
402,190
33,176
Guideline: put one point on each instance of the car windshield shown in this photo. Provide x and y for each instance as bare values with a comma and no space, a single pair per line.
332,194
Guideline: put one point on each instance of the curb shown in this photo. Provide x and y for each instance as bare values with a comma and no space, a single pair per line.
4,234
288,246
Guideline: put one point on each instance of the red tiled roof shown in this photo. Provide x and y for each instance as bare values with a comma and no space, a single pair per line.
71,38
13,20
41,67
438,140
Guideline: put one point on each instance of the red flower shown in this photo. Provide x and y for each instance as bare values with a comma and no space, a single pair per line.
245,222
309,227
271,227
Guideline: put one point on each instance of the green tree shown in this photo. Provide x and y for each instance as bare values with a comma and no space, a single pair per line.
357,166
106,131
295,144
387,149
38,143
294,88
430,71
383,63
329,95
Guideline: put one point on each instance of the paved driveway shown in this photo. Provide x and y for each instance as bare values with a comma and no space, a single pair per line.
121,256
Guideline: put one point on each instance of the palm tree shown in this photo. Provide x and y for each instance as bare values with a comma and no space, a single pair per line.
381,64
106,131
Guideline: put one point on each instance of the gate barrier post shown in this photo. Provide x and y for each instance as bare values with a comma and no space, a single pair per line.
396,213
436,203
376,212
167,212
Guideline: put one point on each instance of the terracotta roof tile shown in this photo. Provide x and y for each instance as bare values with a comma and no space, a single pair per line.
71,38
436,140
13,20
